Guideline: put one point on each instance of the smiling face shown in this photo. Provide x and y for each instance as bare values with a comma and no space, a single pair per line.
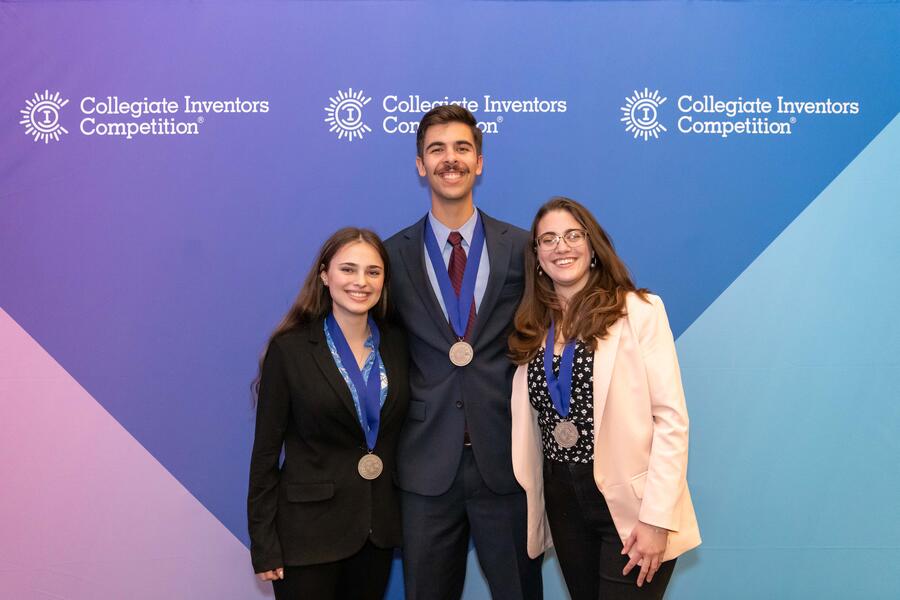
450,162
567,265
355,278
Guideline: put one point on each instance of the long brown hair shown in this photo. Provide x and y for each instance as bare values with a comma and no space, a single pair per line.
591,311
314,300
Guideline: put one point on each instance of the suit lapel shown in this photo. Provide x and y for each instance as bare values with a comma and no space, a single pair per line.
604,361
390,367
322,355
413,254
499,251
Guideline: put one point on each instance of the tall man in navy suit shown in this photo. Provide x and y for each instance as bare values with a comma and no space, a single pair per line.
457,279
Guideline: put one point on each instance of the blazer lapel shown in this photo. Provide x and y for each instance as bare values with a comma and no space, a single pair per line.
604,360
390,368
499,252
322,355
413,254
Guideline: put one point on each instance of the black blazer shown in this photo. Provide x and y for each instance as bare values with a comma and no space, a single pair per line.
316,507
444,397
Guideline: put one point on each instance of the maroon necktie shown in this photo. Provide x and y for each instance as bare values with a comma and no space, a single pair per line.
456,268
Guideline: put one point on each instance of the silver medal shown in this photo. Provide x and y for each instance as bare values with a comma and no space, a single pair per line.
461,353
370,466
566,434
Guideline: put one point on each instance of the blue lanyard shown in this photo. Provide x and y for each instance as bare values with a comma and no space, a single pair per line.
458,307
368,392
560,388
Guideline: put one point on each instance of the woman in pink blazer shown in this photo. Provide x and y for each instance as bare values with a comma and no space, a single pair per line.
599,424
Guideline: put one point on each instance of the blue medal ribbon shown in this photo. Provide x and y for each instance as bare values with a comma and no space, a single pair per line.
560,388
369,391
458,307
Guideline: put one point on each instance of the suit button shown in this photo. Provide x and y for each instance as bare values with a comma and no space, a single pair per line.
459,404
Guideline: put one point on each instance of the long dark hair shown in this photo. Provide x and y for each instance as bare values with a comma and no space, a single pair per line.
314,300
591,311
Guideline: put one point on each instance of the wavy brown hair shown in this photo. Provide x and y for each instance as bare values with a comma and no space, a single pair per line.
314,300
591,311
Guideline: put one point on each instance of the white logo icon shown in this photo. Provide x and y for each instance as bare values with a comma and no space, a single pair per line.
345,114
41,117
641,114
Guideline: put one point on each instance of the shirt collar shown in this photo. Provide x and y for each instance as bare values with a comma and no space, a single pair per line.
369,343
441,231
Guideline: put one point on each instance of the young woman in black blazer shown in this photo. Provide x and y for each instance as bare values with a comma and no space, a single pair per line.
324,523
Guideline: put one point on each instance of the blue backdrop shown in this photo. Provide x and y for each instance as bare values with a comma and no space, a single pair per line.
150,249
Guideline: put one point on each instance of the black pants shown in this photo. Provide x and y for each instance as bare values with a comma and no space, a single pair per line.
363,576
587,544
436,532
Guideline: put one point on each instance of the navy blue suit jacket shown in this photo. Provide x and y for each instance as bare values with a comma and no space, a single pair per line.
443,397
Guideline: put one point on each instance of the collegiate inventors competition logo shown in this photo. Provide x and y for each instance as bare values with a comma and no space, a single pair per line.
41,117
641,114
348,110
128,119
345,114
708,114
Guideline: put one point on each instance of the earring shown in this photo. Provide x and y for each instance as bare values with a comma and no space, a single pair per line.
540,272
593,261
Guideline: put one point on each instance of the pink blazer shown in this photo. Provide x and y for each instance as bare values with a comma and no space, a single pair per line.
640,433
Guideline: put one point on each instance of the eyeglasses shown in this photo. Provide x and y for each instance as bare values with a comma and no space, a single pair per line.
573,237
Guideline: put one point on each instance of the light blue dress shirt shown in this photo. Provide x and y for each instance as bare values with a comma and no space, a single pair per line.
441,232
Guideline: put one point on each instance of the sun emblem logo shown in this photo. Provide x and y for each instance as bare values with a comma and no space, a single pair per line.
345,114
41,117
641,113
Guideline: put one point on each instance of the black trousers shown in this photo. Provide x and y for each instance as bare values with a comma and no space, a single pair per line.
363,576
587,544
436,532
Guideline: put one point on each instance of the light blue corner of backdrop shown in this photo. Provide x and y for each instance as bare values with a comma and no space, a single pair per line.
793,384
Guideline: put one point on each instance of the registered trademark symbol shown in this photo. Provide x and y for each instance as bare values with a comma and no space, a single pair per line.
200,119
793,119
499,118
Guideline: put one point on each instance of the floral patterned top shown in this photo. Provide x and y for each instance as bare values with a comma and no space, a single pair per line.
581,406
367,367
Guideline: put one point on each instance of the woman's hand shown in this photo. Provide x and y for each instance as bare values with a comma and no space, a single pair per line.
645,547
271,575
